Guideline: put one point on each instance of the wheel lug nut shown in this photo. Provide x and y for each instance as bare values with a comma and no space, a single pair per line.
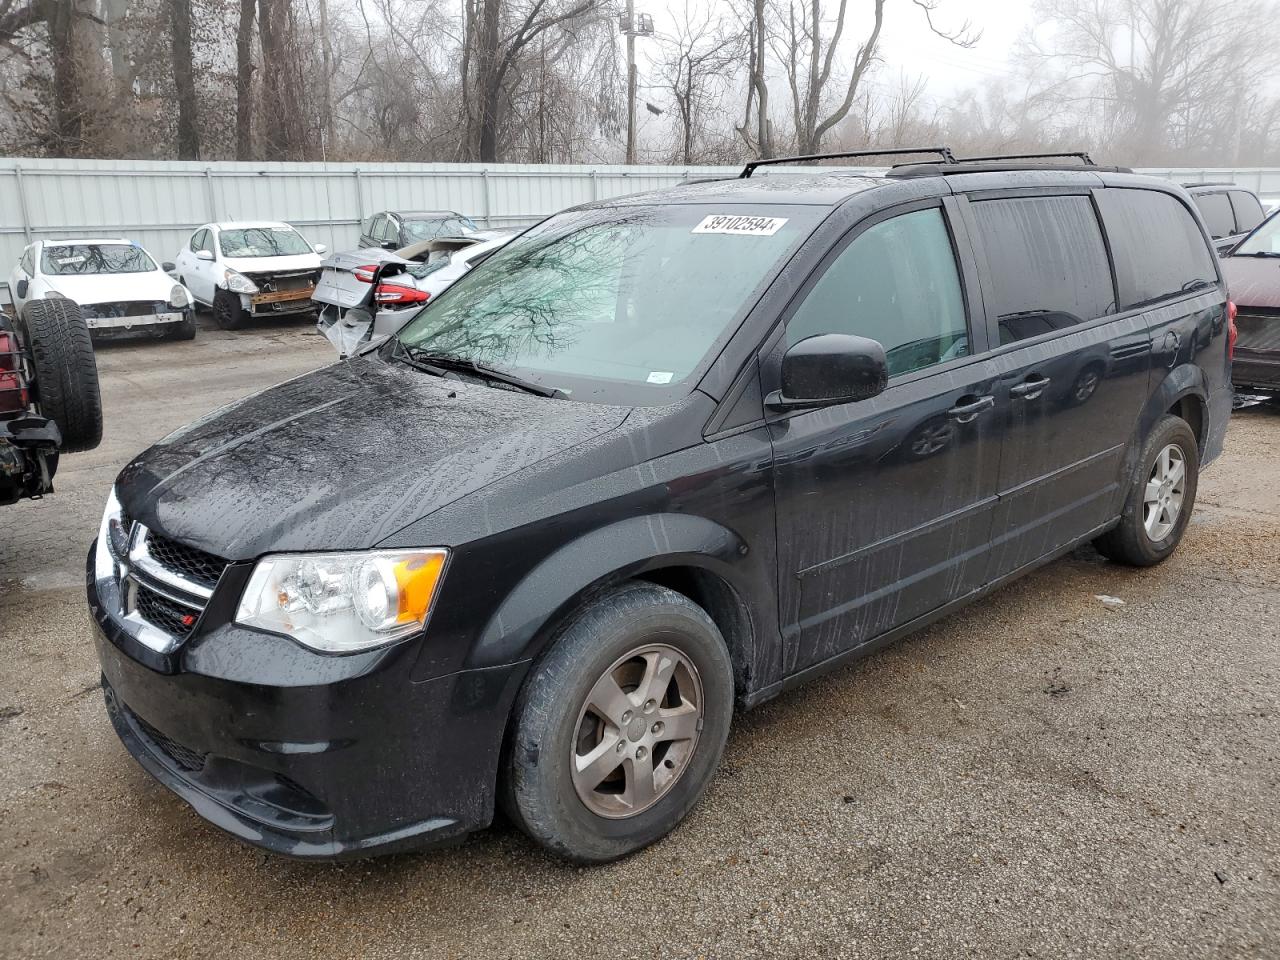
641,752
649,705
622,746
626,716
657,728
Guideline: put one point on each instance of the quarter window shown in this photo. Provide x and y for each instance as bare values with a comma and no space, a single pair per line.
896,283
1049,268
1248,210
1158,247
1217,213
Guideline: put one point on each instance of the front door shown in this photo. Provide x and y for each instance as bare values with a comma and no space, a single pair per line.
1073,373
884,506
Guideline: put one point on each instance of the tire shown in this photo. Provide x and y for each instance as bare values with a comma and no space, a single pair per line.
1131,542
553,724
66,373
184,329
227,312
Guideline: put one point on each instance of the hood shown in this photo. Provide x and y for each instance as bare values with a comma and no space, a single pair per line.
342,458
1253,281
111,287
301,261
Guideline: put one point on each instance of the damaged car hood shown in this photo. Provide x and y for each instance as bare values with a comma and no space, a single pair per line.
342,458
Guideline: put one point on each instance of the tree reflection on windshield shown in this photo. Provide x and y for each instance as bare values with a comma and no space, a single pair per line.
630,294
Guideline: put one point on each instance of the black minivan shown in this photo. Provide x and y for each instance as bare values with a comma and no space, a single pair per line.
659,457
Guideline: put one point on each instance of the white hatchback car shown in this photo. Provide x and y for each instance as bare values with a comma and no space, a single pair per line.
249,269
115,281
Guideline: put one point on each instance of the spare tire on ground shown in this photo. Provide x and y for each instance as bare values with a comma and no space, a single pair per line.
66,373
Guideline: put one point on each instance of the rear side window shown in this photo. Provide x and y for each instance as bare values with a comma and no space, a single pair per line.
1248,210
1217,213
1049,268
1157,246
895,283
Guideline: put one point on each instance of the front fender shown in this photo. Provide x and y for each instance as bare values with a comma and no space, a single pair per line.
519,627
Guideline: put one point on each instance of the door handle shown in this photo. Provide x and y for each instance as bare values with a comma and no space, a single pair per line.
1029,389
966,412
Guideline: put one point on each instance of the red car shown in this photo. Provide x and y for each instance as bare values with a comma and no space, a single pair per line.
1252,271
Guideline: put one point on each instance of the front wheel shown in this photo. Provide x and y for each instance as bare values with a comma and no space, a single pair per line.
1158,506
620,726
227,312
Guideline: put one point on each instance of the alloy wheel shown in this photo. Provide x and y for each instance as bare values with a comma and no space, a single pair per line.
1162,498
637,731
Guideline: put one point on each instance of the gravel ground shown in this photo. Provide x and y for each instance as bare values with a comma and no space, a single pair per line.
1040,775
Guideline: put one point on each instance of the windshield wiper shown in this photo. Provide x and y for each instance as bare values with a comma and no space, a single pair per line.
440,363
1258,253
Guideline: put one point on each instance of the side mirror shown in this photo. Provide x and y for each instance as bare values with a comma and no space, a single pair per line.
168,266
828,369
22,288
390,245
319,247
204,255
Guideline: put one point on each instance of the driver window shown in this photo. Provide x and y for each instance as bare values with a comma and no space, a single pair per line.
896,283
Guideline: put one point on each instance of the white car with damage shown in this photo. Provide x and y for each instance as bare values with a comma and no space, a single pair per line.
249,269
117,284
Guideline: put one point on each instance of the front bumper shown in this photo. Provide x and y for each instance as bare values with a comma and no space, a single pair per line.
310,756
140,320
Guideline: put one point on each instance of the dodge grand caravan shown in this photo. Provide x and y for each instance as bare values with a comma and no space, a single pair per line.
659,457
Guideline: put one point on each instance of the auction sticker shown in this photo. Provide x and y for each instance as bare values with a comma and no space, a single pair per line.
741,226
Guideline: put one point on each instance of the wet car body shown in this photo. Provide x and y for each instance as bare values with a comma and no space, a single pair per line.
783,525
1254,282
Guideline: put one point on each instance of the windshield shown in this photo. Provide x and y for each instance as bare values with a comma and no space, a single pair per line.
1266,239
79,258
634,297
262,242
428,229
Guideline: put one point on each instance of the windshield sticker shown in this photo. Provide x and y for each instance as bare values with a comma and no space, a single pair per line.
741,226
660,376
67,261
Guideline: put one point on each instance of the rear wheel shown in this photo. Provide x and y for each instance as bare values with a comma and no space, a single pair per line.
227,312
620,725
66,373
1160,500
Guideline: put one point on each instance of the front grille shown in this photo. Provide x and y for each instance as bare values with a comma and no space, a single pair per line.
186,758
1258,329
124,308
159,611
187,562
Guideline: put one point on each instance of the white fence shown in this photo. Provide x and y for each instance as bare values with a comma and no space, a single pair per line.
157,204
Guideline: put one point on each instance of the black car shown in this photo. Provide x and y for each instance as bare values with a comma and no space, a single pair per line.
1230,212
657,457
392,230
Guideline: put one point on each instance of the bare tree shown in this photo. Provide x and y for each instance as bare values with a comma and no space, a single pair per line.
696,69
1157,73
807,46
244,81
184,79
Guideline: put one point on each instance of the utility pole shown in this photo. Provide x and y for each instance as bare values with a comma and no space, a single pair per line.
633,27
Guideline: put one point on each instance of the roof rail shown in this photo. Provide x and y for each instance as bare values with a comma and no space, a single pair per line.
1211,183
943,152
1077,154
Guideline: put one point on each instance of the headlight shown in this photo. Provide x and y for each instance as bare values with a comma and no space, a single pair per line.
239,283
342,602
178,296
113,539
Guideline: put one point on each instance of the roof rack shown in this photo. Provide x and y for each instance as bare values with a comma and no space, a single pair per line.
1211,183
1077,155
943,152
